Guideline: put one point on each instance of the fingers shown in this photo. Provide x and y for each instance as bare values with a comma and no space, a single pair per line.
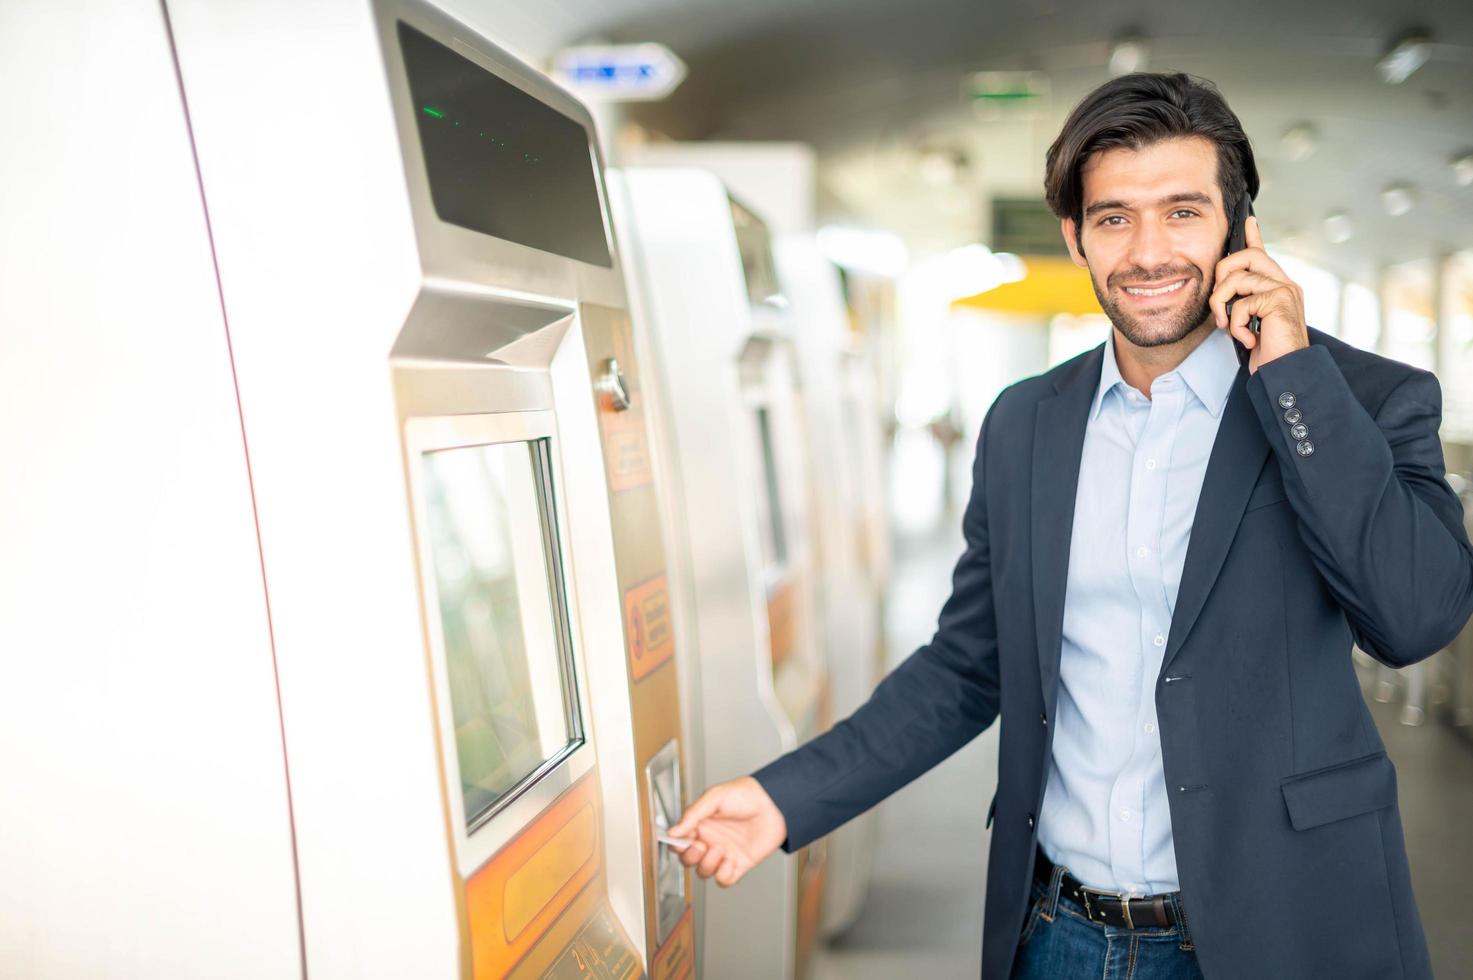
1239,283
1254,259
1251,234
711,862
707,805
729,873
693,853
1247,307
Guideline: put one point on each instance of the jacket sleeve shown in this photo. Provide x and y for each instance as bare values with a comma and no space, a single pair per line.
1382,525
941,697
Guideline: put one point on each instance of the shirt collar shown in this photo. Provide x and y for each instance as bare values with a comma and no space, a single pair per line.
1208,371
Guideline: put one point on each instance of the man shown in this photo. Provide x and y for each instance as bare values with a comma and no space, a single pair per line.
1168,558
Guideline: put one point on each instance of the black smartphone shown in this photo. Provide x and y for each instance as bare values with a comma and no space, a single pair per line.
1237,241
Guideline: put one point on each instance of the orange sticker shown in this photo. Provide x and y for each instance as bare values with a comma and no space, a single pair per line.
676,960
647,625
626,446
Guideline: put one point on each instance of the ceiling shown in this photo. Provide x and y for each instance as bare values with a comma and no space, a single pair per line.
874,85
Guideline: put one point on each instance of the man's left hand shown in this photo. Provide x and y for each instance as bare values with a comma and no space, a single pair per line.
1262,289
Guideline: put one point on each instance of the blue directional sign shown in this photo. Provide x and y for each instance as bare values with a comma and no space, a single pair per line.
619,72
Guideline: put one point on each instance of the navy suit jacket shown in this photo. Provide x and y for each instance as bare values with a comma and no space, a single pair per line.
1288,839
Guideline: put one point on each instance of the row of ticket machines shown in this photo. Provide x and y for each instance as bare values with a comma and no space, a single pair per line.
403,516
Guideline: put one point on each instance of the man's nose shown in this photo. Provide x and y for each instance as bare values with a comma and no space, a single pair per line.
1150,246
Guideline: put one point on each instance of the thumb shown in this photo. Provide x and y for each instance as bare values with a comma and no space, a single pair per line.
707,805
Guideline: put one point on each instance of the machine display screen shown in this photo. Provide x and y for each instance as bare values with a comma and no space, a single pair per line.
502,616
501,162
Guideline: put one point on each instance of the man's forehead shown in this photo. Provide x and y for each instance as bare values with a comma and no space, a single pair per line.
1166,168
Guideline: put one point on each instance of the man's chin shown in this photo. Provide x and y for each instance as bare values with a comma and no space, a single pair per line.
1154,338
1168,327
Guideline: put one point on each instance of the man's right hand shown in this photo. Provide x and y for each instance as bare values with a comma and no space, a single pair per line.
733,826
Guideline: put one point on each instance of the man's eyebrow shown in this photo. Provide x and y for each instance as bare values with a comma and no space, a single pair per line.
1183,197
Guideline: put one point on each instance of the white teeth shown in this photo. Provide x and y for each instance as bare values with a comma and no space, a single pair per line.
1156,292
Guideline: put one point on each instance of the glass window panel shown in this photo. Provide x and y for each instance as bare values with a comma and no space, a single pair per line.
1410,326
498,582
774,538
1321,292
1360,316
1457,347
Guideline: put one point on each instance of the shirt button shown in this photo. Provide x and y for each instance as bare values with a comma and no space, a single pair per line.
1150,727
1299,430
1124,814
1140,552
1293,415
1287,400
1305,448
1150,464
1160,640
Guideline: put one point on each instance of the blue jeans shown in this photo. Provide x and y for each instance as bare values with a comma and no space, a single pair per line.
1059,942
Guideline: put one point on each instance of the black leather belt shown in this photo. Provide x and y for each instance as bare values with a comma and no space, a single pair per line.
1110,908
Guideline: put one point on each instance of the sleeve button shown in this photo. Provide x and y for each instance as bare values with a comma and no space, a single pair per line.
1299,430
1287,400
1293,415
1305,448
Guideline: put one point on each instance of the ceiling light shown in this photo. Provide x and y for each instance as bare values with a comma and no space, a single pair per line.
1463,169
941,167
1299,141
1339,228
1409,54
1128,55
1007,86
1398,200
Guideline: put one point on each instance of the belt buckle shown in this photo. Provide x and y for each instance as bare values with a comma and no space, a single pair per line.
1122,897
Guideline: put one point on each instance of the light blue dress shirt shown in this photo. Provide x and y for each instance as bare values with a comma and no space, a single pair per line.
1105,813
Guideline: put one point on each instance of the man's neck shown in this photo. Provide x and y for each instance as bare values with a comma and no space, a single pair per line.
1140,366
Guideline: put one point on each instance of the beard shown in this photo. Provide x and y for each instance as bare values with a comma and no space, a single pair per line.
1158,328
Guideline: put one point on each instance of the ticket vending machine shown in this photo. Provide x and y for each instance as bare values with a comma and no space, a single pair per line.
849,510
457,510
728,403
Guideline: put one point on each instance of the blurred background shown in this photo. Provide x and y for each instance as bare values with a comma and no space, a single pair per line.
925,125
750,313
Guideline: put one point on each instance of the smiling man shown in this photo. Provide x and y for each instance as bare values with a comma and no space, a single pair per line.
1170,551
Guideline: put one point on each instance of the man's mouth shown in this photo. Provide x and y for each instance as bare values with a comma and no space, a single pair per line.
1156,291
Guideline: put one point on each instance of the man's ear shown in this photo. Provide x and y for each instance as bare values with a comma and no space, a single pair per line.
1071,238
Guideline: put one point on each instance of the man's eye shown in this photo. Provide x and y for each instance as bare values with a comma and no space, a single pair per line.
1184,211
1112,219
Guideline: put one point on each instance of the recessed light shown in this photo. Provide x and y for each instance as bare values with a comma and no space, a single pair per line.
1398,199
1299,141
1128,55
1463,169
1339,228
1409,54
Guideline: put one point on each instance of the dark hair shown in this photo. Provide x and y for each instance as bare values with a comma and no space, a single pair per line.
1136,111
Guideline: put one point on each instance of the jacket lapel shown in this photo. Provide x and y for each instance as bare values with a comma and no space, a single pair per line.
1058,441
1232,471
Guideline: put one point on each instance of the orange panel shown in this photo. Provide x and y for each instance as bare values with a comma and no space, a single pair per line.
532,886
676,960
647,625
519,886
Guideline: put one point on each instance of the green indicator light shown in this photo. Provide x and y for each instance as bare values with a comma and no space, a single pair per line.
434,112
